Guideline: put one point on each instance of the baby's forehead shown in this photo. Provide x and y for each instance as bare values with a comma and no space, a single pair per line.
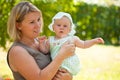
63,20
63,17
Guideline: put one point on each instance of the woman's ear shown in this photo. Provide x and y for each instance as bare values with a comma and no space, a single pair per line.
18,26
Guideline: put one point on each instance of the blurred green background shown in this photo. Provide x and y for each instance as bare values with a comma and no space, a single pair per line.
91,20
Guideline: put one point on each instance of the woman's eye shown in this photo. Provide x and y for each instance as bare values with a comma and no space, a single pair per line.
32,22
38,19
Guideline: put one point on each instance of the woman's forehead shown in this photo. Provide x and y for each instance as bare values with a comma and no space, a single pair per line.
32,15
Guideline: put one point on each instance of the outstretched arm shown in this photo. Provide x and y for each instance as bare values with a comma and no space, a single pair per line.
88,43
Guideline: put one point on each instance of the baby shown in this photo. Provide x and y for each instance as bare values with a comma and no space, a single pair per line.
64,29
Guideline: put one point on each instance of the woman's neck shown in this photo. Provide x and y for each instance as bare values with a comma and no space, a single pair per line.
28,42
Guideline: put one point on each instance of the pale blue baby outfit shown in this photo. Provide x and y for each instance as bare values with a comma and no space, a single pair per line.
72,64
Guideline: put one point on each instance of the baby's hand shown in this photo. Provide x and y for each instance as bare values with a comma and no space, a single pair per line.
42,39
100,40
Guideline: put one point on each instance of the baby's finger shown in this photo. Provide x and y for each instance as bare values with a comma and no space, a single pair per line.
101,40
63,70
42,38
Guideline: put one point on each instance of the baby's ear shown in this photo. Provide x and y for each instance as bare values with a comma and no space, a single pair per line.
70,29
53,28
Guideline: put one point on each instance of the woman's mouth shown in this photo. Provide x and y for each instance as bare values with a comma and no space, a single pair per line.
36,32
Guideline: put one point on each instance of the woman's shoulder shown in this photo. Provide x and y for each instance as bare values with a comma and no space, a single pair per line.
16,46
17,50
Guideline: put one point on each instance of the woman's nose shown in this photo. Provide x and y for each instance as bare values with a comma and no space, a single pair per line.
38,24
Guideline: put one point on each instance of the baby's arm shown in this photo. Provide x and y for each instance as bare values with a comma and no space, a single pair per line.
88,43
44,44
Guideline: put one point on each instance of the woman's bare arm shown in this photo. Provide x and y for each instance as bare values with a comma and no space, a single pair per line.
22,62
62,74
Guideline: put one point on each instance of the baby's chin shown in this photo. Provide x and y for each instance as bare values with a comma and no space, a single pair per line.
62,36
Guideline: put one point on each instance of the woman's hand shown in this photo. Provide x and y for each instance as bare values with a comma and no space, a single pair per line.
62,74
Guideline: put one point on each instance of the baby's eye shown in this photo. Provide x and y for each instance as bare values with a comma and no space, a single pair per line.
58,25
65,25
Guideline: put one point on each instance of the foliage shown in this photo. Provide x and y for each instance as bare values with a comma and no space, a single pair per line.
90,20
95,21
49,8
4,12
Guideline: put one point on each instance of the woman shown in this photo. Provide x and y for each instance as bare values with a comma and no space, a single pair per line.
1,78
24,57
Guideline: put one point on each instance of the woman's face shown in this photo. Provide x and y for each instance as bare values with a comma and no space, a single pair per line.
31,25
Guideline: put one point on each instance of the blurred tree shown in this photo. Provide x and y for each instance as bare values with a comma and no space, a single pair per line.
49,8
5,7
98,21
90,20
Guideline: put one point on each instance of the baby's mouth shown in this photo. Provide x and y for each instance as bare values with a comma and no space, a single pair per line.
61,31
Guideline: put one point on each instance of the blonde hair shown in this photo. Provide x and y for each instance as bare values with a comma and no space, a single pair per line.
17,15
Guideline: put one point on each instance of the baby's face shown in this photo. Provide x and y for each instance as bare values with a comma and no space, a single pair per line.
62,27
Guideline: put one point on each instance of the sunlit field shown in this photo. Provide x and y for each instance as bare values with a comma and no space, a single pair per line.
5,72
97,63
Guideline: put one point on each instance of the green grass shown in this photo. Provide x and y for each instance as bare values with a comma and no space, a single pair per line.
97,63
